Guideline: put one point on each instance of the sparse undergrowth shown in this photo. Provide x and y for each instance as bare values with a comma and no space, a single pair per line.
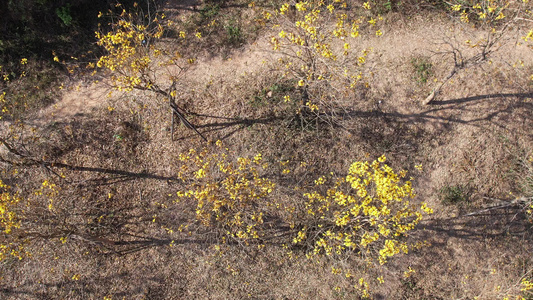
310,193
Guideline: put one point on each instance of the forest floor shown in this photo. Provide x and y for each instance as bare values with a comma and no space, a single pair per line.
474,142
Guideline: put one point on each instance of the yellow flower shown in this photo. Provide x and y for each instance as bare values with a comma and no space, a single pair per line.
311,106
366,5
301,6
427,209
500,16
24,61
464,17
301,83
408,273
284,8
198,35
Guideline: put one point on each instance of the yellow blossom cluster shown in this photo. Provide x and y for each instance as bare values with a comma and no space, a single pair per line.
18,224
124,53
133,52
527,287
230,195
368,211
10,89
3,104
486,11
9,220
526,290
50,191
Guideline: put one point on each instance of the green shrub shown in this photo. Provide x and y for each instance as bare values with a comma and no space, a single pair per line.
454,194
423,69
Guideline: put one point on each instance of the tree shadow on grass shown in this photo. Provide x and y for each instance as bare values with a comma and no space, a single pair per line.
91,286
386,131
238,124
453,110
121,175
449,106
488,97
490,224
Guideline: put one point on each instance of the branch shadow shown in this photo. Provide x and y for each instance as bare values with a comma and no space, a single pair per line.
219,126
486,233
489,225
520,96
192,5
122,175
87,287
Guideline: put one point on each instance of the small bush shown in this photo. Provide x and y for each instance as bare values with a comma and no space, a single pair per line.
423,69
454,194
64,14
234,34
208,12
383,6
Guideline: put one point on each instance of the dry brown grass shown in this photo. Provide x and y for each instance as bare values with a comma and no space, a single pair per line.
121,165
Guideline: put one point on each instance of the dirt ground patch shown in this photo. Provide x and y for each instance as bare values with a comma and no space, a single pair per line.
117,154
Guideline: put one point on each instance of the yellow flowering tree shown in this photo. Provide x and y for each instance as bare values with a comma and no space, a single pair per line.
318,43
369,212
495,18
140,58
